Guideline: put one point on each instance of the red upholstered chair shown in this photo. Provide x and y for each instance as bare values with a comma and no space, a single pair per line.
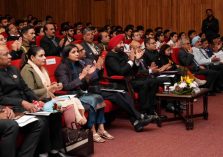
174,55
127,41
9,44
51,64
78,37
17,63
38,38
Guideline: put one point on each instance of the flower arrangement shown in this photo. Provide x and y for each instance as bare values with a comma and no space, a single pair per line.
186,85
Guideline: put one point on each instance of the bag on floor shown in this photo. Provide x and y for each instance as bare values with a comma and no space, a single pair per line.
78,142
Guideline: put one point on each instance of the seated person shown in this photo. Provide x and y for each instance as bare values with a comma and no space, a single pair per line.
74,78
37,79
119,63
9,130
15,93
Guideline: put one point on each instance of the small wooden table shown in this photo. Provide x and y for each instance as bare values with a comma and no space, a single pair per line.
189,99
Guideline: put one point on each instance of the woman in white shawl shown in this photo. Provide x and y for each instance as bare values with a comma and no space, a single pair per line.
37,78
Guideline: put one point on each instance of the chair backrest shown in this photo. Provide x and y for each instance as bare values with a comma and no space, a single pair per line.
175,55
9,44
16,63
38,38
78,37
52,63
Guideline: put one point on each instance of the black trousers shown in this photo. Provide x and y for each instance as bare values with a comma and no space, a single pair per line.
51,136
147,89
123,100
211,76
9,130
219,69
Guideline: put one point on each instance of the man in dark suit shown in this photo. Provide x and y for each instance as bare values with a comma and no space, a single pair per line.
186,58
92,50
49,42
15,93
8,127
119,63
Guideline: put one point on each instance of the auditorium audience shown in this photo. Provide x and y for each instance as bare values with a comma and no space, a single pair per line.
82,68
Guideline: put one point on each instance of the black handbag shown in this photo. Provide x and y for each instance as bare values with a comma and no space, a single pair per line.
78,142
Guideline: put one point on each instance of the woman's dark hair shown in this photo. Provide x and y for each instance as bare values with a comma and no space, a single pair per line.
31,52
67,49
163,49
158,34
38,29
181,33
172,34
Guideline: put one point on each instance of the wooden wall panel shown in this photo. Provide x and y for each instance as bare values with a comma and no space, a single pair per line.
69,10
2,7
174,14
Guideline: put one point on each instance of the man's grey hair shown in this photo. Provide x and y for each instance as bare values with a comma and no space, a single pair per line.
183,41
86,30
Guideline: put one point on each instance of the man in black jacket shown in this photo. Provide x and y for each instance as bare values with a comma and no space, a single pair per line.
92,50
210,25
119,63
49,42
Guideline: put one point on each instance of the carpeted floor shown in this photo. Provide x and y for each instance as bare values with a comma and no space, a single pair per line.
172,140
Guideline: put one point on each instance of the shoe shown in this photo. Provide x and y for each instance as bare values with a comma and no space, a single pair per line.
106,135
200,82
138,126
97,138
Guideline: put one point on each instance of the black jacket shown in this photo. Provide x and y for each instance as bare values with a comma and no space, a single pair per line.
49,47
13,89
117,64
150,56
210,27
89,53
187,59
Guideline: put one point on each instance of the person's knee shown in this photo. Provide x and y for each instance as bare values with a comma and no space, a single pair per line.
11,127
